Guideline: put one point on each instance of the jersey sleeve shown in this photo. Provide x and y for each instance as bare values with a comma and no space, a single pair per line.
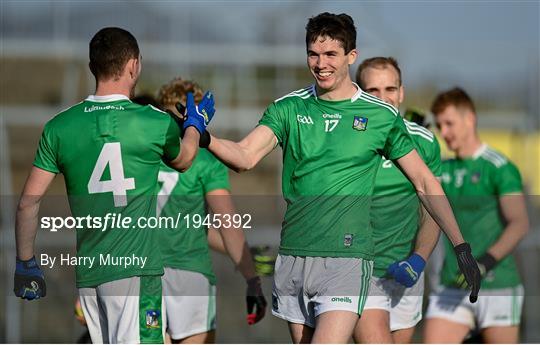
274,117
398,143
171,147
216,176
434,161
508,179
47,152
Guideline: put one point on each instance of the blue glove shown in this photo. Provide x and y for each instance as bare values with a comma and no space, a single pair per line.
29,282
200,115
407,272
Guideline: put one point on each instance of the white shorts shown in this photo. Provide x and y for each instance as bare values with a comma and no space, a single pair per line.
404,305
305,287
190,302
494,308
125,311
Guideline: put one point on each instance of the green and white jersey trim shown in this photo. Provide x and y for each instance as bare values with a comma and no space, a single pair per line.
490,155
415,129
302,93
372,99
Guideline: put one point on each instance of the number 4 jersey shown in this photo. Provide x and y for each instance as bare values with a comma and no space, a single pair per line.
109,151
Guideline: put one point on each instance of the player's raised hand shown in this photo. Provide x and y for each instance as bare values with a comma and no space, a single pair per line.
469,269
29,282
407,272
256,303
199,115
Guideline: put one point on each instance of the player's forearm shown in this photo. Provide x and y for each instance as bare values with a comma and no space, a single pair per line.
215,241
514,214
232,154
235,244
26,224
188,150
434,200
509,239
428,235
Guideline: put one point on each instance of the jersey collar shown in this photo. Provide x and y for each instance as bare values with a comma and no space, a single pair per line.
479,151
107,98
357,94
354,97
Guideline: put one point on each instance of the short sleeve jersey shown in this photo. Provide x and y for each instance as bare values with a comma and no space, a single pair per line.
185,246
396,211
474,186
331,153
109,151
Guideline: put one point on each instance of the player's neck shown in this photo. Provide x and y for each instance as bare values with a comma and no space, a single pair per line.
112,87
344,91
470,147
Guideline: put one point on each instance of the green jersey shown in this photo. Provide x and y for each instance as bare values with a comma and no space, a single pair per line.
474,186
109,150
331,153
395,212
184,247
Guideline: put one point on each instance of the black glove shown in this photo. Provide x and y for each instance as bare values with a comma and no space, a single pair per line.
486,263
255,300
204,140
29,282
469,269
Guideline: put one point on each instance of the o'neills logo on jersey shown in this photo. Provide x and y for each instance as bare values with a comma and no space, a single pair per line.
331,116
305,119
102,107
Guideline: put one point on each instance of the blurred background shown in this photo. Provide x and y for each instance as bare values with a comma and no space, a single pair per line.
250,53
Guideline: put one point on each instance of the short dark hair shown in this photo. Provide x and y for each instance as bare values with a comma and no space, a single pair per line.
456,97
339,27
377,62
110,50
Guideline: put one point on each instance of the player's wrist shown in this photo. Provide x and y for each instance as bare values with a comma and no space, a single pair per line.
488,262
417,262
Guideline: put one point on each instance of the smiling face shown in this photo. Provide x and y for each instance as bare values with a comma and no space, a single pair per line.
456,125
383,82
329,64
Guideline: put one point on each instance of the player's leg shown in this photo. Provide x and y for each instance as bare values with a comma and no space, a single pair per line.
374,323
300,334
340,287
335,326
403,336
499,315
443,331
190,302
373,327
449,317
501,335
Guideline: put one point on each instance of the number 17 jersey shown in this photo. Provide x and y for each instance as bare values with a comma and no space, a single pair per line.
109,151
331,153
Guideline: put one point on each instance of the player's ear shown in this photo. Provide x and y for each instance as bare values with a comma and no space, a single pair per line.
352,55
401,93
133,68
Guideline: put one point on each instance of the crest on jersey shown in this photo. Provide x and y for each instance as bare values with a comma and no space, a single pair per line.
360,123
152,318
475,178
348,240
